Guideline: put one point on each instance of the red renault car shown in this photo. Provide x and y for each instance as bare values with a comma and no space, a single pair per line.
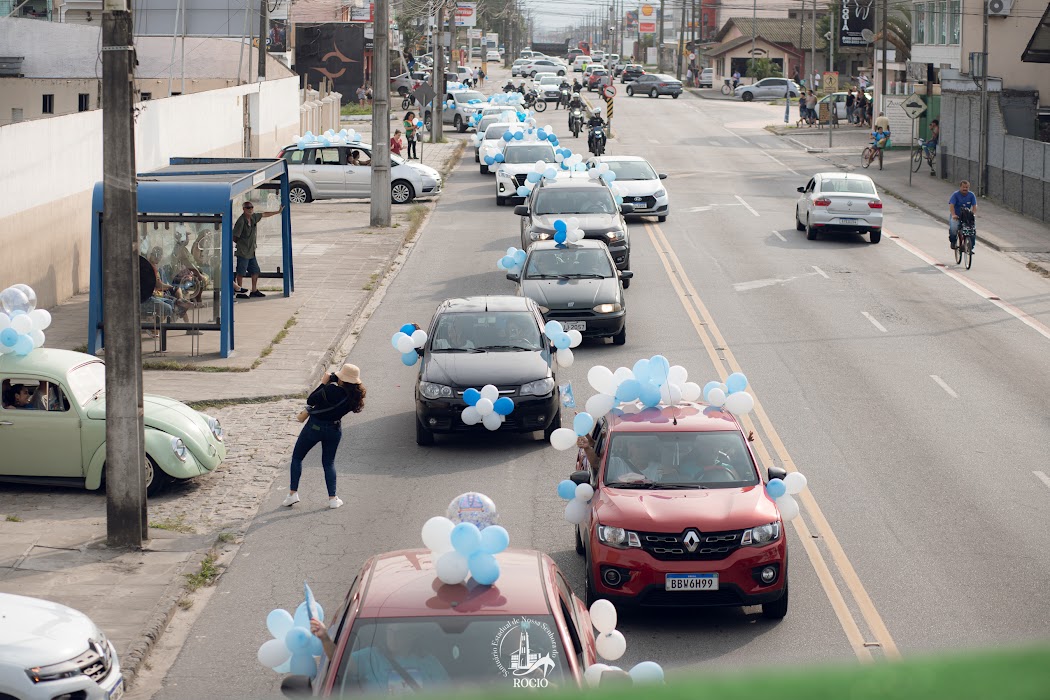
680,515
400,629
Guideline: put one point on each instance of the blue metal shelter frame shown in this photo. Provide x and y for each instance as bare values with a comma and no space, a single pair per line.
198,187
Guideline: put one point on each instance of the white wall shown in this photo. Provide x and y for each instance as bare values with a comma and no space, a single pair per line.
51,165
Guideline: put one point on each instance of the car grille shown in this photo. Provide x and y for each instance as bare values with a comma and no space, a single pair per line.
95,663
503,391
573,314
670,547
519,180
642,202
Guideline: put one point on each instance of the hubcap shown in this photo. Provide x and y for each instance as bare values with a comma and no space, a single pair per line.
297,195
149,472
400,193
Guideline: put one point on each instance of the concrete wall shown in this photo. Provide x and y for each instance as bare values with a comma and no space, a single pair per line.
1007,37
51,166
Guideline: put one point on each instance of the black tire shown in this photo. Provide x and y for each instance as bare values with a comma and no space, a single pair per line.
958,250
580,549
401,192
778,609
969,252
875,236
540,106
630,91
457,122
916,160
589,592
661,219
483,169
156,479
424,437
798,222
747,97
532,75
299,193
554,425
621,337
865,157
403,91
811,233
654,93
501,201
561,73
674,96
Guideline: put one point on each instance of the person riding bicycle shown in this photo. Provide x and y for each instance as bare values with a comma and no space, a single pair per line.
935,135
575,103
960,200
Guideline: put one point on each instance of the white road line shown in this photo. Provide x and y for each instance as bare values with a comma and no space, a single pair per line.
874,322
770,156
944,385
821,272
1043,477
777,234
736,134
748,206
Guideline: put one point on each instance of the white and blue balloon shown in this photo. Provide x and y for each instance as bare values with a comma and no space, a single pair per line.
782,490
345,137
465,543
407,341
577,495
21,323
512,261
611,645
563,341
294,647
486,407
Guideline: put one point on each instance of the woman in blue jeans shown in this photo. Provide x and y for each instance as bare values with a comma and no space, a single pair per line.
340,393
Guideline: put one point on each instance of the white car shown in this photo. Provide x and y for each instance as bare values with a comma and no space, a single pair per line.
519,159
328,172
839,202
768,89
50,651
492,138
641,185
515,68
492,56
543,65
577,63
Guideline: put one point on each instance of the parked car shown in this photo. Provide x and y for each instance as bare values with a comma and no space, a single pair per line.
515,68
839,202
644,188
680,516
529,630
578,286
654,85
630,72
49,651
707,78
477,341
767,89
475,52
590,201
519,159
405,83
329,172
492,55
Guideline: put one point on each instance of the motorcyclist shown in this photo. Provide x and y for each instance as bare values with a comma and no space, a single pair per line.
561,88
509,87
596,120
576,102
521,88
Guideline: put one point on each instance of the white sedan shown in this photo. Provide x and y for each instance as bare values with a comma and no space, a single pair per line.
640,183
520,158
839,202
492,138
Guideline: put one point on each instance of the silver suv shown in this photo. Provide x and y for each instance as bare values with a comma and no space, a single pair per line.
338,171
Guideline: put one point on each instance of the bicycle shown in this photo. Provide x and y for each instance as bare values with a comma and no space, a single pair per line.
923,150
727,87
868,155
966,238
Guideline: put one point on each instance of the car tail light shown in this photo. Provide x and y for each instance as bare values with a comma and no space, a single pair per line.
875,204
663,84
822,202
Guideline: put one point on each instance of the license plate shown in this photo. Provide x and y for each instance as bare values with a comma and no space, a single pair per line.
573,325
691,582
118,691
849,221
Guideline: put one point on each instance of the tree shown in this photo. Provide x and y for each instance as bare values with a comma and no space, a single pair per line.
763,68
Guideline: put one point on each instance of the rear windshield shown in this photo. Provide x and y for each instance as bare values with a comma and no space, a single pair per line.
468,95
530,154
597,200
495,132
850,186
712,459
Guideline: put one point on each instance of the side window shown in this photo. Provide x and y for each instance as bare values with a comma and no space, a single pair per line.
603,435
569,613
327,156
811,186
294,156
33,395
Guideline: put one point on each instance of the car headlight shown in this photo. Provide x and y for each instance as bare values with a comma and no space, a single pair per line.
660,193
618,537
540,387
435,391
540,235
616,235
216,428
502,173
179,448
761,535
54,672
608,308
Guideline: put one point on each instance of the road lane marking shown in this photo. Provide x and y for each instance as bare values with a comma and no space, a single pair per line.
778,235
821,272
874,322
1043,477
768,282
942,384
746,205
775,160
709,334
736,134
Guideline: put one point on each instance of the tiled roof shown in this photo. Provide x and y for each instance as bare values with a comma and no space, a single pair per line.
727,46
779,30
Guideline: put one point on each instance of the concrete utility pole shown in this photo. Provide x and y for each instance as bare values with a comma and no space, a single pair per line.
754,33
982,151
882,81
264,34
126,524
436,130
380,204
681,45
660,41
813,51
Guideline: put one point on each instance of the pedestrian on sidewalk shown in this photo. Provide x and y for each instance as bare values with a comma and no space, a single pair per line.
481,77
850,104
961,199
395,143
410,134
245,231
361,96
338,394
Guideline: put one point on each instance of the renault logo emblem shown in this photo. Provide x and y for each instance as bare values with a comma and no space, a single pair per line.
691,540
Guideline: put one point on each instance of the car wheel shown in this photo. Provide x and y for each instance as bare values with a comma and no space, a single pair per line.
778,609
401,192
580,549
554,425
458,123
477,156
798,222
500,201
561,72
590,593
811,233
298,193
156,479
621,337
661,219
630,92
875,236
747,97
424,437
653,93
674,96
403,91
533,75
483,169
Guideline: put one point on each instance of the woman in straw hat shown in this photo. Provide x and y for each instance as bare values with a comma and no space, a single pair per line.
339,393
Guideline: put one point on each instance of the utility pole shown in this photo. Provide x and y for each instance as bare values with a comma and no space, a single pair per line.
660,41
380,201
754,33
801,51
436,132
126,524
264,33
681,45
982,152
882,80
813,52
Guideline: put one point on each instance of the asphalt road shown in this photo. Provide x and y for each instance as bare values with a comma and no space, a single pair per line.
915,405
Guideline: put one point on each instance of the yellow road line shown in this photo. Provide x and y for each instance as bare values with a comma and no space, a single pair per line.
709,334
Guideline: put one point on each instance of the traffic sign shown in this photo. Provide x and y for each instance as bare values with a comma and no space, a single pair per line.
914,106
609,91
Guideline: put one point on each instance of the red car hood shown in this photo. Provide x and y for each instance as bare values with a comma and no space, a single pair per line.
709,510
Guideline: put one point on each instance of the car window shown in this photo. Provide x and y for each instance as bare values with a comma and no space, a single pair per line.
32,395
326,156
87,381
293,156
709,459
568,263
478,331
847,185
568,611
597,200
495,132
530,154
468,95
809,185
632,169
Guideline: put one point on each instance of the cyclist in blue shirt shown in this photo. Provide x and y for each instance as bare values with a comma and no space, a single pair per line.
961,199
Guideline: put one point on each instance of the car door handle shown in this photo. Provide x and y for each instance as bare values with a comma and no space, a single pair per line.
314,171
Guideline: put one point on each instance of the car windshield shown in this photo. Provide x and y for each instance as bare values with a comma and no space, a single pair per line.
596,200
87,381
711,459
529,154
480,331
495,132
397,655
848,185
632,169
568,263
468,95
550,80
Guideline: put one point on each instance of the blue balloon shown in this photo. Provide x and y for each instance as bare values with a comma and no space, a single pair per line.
619,200
301,618
550,173
484,568
409,358
736,382
507,261
551,328
560,226
541,135
302,664
641,370
553,139
561,237
504,405
420,124
523,191
301,144
489,160
649,395
494,539
499,158
658,369
564,165
507,136
629,390
9,337
297,639
316,647
566,490
534,177
562,341
776,488
396,337
519,257
519,135
581,168
408,328
609,176
708,387
466,538
286,667
471,396
583,423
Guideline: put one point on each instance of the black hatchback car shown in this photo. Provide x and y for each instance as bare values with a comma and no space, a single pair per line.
631,72
476,341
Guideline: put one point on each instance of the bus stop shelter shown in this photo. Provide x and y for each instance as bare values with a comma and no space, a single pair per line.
186,214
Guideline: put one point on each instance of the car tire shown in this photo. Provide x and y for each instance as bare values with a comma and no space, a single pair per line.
477,156
156,479
561,72
630,91
589,591
811,233
798,222
875,236
621,337
580,549
661,219
299,193
457,122
501,201
778,609
424,437
401,192
674,96
554,425
483,169
654,94
747,96
532,75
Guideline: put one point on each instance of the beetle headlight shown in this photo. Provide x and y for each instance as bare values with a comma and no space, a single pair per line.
216,428
179,448
435,391
540,387
761,535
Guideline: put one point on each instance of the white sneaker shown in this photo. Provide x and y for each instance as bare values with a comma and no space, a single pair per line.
291,499
335,502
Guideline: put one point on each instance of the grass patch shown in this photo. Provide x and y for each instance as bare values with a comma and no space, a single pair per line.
175,366
281,335
227,537
223,403
13,519
355,110
206,576
185,603
178,524
416,214
372,279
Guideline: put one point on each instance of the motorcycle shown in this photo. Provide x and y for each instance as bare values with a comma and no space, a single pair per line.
596,142
565,97
509,87
532,101
576,122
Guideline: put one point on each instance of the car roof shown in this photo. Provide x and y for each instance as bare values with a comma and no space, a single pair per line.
404,584
569,183
843,176
552,245
685,417
487,303
522,144
51,361
609,159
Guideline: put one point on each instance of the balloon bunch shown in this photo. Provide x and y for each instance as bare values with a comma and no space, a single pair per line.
294,647
541,170
492,155
506,98
611,645
407,341
577,495
602,172
465,543
21,323
346,137
567,231
512,261
564,438
562,341
731,395
782,490
651,382
486,407
569,160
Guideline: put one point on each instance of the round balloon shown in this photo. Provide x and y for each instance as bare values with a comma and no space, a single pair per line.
567,489
603,616
647,672
576,511
494,539
278,622
600,404
452,568
601,378
273,653
584,492
611,645
776,488
470,415
472,507
740,403
795,482
788,507
492,421
563,439
716,397
565,357
483,568
436,534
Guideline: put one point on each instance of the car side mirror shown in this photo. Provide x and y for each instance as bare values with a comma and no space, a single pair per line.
522,210
580,477
296,687
419,351
625,274
513,276
776,473
626,209
663,176
800,189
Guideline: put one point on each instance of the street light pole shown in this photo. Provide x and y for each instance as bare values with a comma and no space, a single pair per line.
754,33
982,152
263,33
882,81
379,216
436,130
660,41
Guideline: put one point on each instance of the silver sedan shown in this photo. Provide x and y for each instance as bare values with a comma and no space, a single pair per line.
839,202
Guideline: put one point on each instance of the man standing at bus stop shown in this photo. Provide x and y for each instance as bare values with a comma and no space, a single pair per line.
244,239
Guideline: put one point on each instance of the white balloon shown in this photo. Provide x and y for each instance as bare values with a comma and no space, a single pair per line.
716,397
452,567
691,391
603,167
563,438
38,338
739,404
671,394
584,492
603,616
565,358
5,320
541,166
489,392
573,222
419,338
788,507
436,533
611,645
470,415
600,404
405,344
574,236
677,375
40,318
576,512
647,672
593,174
795,482
492,421
621,374
484,407
22,324
273,653
602,379
575,338
593,674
